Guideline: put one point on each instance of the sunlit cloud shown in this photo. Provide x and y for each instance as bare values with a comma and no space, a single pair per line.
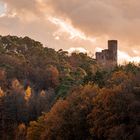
97,49
124,57
66,27
75,24
3,8
136,52
83,50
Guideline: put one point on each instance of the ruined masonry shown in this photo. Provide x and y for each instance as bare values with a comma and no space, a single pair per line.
108,57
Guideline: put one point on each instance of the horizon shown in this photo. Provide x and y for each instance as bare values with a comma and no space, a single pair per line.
70,26
120,60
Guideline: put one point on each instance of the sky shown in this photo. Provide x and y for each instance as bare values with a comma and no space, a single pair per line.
83,25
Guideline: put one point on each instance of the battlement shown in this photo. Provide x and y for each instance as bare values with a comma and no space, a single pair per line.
108,57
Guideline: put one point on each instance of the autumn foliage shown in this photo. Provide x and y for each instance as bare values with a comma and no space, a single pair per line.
51,95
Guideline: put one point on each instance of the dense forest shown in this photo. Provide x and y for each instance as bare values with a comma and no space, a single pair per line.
53,95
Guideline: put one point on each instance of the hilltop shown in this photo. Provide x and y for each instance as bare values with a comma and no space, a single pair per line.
25,58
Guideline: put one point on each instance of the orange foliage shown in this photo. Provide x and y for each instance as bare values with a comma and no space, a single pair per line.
1,92
28,93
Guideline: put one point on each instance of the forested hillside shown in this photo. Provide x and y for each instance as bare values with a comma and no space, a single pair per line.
53,95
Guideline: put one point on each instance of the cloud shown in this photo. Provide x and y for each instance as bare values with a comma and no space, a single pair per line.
124,57
83,50
114,19
22,6
2,8
67,28
75,23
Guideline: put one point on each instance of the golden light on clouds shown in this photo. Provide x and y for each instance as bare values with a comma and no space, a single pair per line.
124,57
75,24
2,8
66,27
83,50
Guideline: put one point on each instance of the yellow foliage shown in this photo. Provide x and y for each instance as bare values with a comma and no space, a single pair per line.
28,93
1,92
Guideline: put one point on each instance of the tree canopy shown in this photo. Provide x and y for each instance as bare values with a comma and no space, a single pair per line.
53,95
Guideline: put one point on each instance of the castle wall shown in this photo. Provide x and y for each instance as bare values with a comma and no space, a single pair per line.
108,57
112,47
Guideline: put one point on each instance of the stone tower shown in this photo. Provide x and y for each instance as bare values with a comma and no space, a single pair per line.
108,57
113,47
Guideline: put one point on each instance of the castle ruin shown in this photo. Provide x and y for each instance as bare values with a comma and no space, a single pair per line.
108,57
